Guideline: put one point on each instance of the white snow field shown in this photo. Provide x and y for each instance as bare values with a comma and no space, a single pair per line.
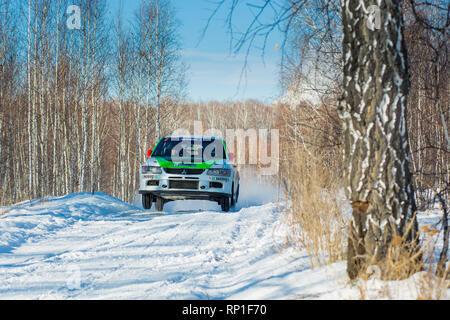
84,246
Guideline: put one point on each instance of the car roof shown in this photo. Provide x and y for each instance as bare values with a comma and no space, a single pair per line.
199,137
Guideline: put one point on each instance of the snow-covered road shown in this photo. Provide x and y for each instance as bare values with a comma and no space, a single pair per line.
84,246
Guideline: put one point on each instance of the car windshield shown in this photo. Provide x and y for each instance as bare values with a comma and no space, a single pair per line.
183,149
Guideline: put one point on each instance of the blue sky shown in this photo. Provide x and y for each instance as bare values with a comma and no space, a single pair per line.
215,72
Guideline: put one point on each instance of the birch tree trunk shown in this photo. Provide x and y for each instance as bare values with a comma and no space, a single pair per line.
85,101
93,92
159,58
121,85
376,152
55,184
34,138
30,114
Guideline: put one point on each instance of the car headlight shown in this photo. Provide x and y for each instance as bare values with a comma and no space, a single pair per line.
219,172
151,169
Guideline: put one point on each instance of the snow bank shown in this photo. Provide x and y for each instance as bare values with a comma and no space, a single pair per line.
33,219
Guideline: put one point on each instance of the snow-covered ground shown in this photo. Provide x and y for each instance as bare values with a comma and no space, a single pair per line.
84,246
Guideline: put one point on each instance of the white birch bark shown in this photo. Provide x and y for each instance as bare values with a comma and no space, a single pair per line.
376,151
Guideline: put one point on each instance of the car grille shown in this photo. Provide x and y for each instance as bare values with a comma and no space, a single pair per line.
183,184
153,182
183,171
215,185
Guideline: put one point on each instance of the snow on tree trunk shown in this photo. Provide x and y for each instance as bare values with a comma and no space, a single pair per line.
376,152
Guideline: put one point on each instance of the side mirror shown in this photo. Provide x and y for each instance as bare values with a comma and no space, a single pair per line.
149,152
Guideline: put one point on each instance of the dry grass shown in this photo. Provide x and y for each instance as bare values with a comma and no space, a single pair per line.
318,218
423,285
402,276
316,214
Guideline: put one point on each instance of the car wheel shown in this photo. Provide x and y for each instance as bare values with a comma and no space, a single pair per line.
147,201
159,204
233,197
225,204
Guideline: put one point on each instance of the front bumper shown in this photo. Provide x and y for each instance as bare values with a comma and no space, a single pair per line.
186,194
179,186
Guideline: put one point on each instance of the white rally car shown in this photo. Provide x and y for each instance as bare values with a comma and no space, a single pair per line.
189,167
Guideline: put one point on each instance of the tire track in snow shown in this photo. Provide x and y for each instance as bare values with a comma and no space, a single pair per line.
124,252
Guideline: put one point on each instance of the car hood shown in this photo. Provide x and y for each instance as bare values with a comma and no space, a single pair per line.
188,164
